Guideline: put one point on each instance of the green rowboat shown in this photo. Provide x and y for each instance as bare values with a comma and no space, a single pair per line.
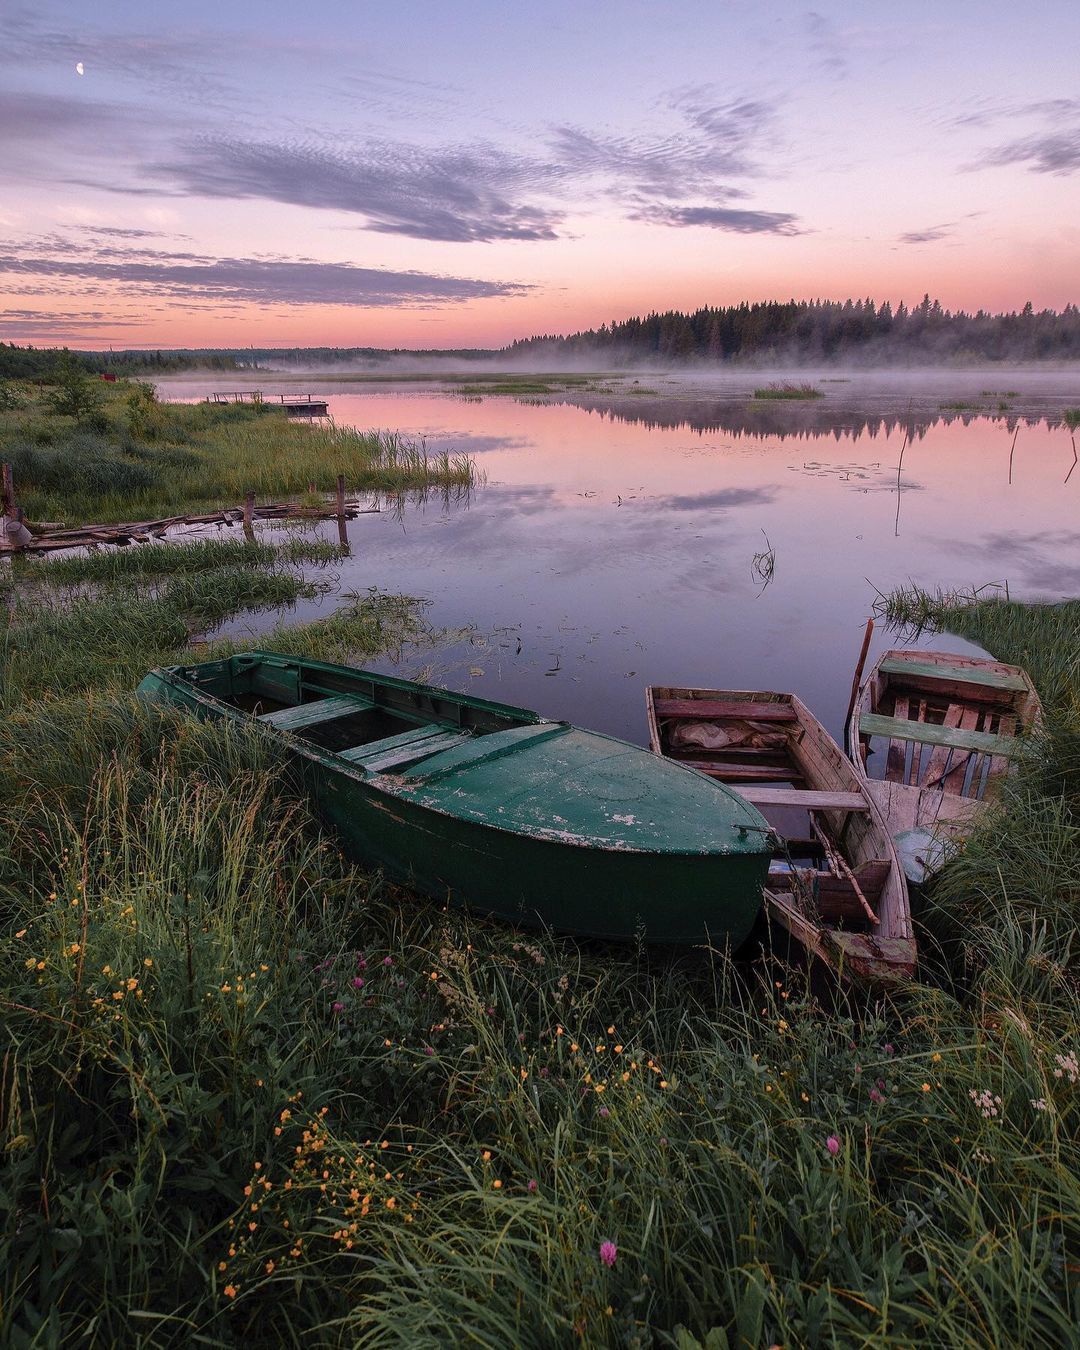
532,821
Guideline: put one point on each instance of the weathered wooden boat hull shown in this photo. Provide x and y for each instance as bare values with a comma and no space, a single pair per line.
771,748
530,821
951,727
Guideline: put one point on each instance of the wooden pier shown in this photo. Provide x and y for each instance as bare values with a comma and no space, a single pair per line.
48,536
296,405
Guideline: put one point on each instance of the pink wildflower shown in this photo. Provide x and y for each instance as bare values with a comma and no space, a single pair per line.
358,982
388,960
533,1186
833,1144
339,1007
608,1253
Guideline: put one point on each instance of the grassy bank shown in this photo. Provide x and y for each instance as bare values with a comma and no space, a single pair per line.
251,1094
114,453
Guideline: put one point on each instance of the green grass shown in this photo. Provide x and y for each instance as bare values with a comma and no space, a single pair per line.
161,459
250,1093
788,391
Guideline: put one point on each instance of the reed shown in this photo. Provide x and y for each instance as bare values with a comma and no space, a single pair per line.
788,391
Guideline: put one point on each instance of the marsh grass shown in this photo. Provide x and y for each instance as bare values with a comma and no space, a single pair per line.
788,391
285,1102
173,457
251,1094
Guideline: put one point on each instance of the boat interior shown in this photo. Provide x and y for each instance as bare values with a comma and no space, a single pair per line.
830,859
376,722
944,728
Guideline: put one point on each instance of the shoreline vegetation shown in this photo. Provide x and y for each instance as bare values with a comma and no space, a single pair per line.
83,451
251,1093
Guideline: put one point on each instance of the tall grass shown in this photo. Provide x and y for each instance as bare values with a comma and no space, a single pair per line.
252,1094
267,1100
174,457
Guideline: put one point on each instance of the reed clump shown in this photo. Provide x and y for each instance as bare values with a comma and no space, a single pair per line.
787,390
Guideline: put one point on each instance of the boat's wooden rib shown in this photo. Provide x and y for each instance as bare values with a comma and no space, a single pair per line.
836,884
531,821
951,727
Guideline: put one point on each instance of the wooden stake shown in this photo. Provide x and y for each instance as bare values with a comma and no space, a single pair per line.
8,492
341,496
249,515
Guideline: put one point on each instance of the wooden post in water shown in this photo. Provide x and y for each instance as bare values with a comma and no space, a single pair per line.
343,534
14,533
249,516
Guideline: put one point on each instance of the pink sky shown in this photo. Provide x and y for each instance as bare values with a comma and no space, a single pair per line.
413,177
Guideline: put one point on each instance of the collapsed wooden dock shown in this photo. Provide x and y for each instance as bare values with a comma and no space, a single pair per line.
19,536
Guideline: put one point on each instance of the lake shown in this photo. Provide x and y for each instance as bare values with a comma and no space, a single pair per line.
623,533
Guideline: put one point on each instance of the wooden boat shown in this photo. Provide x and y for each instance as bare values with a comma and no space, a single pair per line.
835,883
949,728
529,820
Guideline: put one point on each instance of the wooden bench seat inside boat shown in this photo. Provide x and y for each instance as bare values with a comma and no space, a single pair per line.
928,733
707,709
321,710
803,799
393,752
965,675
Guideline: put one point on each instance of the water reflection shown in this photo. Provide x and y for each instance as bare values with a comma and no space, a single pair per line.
785,419
614,547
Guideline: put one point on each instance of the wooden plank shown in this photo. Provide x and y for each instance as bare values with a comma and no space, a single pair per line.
804,799
917,745
939,757
378,757
953,782
991,679
744,772
308,714
707,709
956,738
896,758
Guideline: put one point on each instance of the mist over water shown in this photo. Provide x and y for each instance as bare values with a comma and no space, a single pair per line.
613,542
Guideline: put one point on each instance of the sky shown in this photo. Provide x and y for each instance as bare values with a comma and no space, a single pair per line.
352,173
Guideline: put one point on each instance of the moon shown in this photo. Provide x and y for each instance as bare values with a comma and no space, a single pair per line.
79,68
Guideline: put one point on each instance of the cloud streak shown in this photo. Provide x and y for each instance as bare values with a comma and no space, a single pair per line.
731,219
264,281
1055,152
450,194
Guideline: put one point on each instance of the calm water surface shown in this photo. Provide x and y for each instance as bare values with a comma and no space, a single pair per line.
612,545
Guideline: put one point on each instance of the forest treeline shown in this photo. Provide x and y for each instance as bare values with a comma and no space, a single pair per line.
807,331
859,332
45,365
